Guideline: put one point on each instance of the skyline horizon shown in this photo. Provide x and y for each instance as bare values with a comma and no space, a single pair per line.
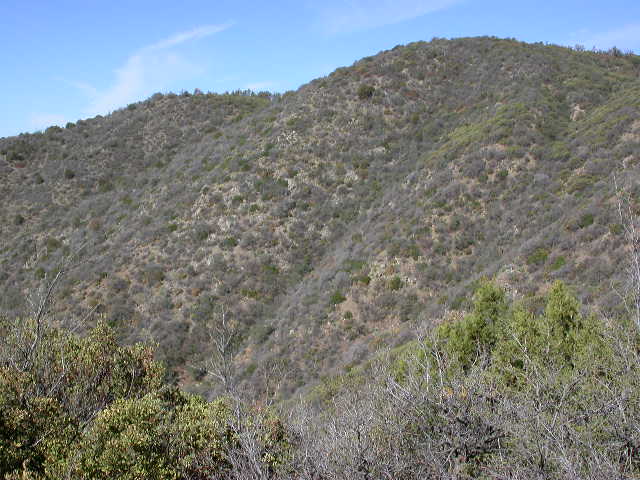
97,63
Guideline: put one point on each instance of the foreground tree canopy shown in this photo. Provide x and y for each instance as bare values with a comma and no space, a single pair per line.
512,389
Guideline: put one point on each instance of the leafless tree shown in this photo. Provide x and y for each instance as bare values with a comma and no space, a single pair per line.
248,456
27,333
222,334
631,227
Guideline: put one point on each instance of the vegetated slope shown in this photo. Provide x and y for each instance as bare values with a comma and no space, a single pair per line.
331,219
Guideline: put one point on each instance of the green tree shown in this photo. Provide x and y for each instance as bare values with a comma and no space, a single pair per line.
54,383
558,340
166,435
476,334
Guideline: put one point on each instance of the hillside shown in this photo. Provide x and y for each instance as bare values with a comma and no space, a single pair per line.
331,220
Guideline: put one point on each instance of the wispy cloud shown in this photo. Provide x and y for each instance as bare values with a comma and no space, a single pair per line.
347,16
148,70
625,38
178,38
39,121
89,90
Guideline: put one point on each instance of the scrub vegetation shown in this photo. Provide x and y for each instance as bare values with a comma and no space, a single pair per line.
419,266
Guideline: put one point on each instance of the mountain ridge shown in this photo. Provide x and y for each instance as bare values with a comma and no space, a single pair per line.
334,219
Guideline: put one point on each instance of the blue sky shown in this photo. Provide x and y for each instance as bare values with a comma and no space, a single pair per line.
66,60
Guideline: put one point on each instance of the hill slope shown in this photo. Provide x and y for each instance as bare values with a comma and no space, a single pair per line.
332,219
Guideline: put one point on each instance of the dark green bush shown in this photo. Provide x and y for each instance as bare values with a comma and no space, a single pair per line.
153,274
52,244
586,220
229,242
337,297
365,91
396,283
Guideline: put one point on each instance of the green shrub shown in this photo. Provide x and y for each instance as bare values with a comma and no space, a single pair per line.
156,436
538,257
153,274
616,228
395,283
201,233
337,297
558,263
586,220
52,244
65,380
365,91
105,185
229,242
85,407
